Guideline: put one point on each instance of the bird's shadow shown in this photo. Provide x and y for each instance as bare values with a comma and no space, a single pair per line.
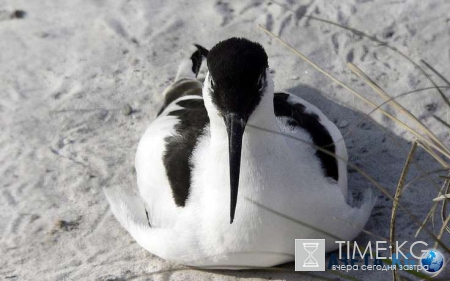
381,154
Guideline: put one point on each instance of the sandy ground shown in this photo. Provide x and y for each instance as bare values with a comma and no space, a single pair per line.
70,70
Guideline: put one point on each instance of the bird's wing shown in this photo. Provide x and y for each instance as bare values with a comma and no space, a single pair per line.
297,113
163,158
163,155
344,218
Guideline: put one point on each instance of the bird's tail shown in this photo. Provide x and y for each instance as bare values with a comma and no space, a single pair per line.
190,68
129,210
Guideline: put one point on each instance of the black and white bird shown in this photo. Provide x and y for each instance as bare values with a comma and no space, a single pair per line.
221,149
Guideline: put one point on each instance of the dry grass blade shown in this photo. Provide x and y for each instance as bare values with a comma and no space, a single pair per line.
435,204
366,116
441,121
434,207
363,231
429,215
399,107
442,197
293,219
365,175
382,43
436,72
441,232
415,273
380,238
434,154
418,274
430,144
427,175
374,182
409,129
446,186
398,192
373,38
405,94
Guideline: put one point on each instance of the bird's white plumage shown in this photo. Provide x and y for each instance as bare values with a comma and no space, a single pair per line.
281,173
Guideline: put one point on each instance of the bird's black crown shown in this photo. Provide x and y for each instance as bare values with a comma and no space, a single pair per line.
237,67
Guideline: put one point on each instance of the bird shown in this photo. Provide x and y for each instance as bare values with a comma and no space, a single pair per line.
231,172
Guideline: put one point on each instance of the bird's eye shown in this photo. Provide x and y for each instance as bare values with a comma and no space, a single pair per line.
212,83
261,83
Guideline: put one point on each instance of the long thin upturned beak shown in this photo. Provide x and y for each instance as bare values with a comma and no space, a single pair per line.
235,129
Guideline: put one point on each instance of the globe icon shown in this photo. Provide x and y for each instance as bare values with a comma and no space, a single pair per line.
432,261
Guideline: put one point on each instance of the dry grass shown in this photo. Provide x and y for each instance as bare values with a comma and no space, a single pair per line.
398,192
423,136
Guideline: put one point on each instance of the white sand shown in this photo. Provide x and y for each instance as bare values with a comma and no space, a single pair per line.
68,68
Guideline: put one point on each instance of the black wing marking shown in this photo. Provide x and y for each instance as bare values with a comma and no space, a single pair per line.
193,119
181,88
310,123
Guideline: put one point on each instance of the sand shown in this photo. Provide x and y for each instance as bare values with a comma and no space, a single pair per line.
81,80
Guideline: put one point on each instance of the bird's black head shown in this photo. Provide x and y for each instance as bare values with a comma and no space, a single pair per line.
237,69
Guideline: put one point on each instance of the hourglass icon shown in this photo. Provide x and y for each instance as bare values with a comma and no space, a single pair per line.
310,260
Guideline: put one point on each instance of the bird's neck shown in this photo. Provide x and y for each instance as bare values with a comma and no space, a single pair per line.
263,117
